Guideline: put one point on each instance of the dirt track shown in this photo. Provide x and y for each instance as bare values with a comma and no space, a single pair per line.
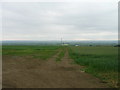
26,72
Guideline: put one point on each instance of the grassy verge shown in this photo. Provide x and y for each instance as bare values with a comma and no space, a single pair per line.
102,62
61,54
42,52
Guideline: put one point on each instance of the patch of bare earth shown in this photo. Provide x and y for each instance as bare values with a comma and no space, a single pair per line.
26,72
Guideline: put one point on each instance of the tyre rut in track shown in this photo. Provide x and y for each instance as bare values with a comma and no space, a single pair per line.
51,74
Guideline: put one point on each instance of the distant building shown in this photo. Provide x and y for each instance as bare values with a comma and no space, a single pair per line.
76,45
65,44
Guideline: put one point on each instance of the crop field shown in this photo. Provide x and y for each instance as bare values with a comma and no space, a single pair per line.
42,52
61,54
60,66
102,62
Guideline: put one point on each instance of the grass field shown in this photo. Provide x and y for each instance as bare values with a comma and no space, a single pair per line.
42,52
99,61
61,54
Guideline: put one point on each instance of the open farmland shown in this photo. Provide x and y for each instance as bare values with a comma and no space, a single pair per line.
59,67
101,61
42,52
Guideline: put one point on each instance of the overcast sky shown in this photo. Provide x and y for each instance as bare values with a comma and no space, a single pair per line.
83,20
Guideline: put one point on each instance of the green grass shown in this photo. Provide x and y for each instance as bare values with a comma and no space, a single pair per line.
42,52
61,54
102,62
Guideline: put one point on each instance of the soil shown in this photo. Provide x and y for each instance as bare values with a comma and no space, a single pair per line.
0,72
26,72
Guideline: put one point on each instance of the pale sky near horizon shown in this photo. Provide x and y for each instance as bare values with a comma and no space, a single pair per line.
71,20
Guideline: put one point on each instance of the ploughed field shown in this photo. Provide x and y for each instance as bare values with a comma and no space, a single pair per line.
59,67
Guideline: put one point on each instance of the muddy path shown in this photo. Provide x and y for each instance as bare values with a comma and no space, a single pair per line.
26,72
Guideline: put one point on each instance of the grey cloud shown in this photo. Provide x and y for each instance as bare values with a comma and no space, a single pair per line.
54,20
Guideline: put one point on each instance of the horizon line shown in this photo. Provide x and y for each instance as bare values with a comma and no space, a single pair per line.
59,40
